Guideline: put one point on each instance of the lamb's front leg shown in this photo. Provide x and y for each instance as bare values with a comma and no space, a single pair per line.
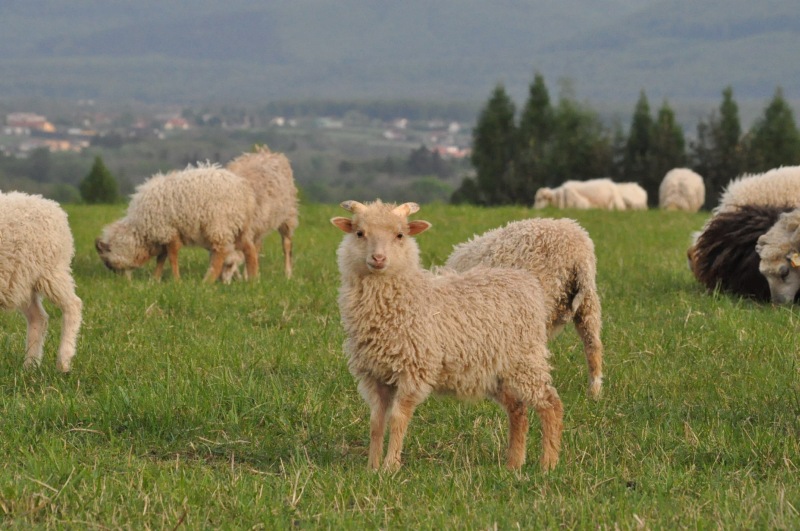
403,406
379,397
173,248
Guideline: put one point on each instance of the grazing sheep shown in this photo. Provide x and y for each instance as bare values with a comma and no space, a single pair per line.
270,176
36,249
206,206
594,193
634,196
560,254
411,332
724,254
776,187
682,189
779,251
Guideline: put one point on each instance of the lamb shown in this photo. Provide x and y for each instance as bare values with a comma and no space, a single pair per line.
776,187
36,250
724,255
560,254
594,193
411,332
682,189
779,253
270,176
206,206
633,195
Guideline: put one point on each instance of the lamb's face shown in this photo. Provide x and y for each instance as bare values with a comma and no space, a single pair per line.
378,239
543,198
119,249
780,265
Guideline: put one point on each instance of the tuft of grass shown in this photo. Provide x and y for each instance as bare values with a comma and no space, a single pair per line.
231,406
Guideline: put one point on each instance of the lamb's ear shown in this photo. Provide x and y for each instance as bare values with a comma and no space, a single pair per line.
794,259
101,246
352,206
344,224
760,244
417,226
406,209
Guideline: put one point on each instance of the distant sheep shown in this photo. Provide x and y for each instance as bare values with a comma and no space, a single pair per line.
411,332
560,254
776,187
594,193
779,251
270,176
36,250
682,189
634,196
206,206
724,254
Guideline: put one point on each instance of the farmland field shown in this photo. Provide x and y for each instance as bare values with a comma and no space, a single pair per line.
232,407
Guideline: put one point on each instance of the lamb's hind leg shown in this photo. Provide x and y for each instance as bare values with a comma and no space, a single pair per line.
62,292
551,415
36,317
518,426
588,323
286,239
216,262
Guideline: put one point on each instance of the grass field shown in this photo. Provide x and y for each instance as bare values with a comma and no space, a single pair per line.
232,407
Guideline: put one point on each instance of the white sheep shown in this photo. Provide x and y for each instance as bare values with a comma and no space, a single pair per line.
779,252
270,176
633,195
776,187
560,254
682,189
36,249
206,206
411,332
594,193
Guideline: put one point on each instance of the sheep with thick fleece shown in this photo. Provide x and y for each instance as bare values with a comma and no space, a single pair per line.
682,189
207,206
779,253
36,250
270,176
633,195
411,332
560,254
594,193
776,187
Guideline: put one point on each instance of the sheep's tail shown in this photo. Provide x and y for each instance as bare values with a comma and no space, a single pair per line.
588,323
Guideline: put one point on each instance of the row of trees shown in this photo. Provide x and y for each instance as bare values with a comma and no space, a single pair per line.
550,144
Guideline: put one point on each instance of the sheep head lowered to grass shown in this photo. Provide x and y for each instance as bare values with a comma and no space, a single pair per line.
779,251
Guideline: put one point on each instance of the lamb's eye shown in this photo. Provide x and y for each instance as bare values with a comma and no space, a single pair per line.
399,235
360,233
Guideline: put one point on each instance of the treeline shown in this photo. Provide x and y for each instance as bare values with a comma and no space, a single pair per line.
376,109
551,143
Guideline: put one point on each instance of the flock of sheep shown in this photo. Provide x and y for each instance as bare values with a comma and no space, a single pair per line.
476,327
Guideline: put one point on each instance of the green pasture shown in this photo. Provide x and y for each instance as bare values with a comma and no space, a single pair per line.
231,407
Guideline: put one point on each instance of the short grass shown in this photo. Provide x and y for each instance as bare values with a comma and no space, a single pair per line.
232,407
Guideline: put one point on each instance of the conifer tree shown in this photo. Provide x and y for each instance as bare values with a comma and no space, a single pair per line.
774,140
99,186
535,131
636,164
668,151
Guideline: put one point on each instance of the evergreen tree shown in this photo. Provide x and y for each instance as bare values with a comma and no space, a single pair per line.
99,186
535,130
636,164
494,151
667,151
774,140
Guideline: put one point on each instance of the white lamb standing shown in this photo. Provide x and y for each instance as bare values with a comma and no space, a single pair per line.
633,195
779,251
682,189
36,249
776,187
206,206
560,254
410,332
594,193
270,175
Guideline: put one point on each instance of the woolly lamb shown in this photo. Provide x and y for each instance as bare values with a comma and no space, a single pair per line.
723,255
270,176
594,193
633,195
411,332
206,206
779,251
36,249
682,189
776,187
560,254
